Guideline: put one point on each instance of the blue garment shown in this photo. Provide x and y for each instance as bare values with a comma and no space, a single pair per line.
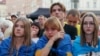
78,49
63,47
23,50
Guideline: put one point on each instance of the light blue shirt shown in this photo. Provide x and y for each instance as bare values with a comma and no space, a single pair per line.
79,50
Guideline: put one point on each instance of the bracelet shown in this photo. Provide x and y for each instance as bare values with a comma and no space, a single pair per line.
49,47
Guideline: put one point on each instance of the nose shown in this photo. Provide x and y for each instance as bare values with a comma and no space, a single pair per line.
57,11
34,29
72,24
18,28
88,25
49,31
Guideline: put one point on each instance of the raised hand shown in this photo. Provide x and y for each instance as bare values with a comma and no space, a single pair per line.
59,35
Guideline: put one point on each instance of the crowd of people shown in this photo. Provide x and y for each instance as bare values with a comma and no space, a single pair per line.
62,34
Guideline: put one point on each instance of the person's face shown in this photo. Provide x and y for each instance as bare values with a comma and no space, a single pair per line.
50,32
34,30
41,20
13,19
72,20
88,25
57,12
19,29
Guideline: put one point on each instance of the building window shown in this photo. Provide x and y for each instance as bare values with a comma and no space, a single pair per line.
88,5
94,4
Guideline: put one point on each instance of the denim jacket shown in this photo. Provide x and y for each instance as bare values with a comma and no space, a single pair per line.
63,47
23,50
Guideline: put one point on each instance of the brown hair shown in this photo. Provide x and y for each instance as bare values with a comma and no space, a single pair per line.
60,5
95,33
27,33
82,14
74,13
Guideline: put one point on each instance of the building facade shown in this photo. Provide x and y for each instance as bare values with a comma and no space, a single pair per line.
23,7
3,8
78,4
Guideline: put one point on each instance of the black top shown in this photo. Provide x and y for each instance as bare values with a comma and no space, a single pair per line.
71,30
41,32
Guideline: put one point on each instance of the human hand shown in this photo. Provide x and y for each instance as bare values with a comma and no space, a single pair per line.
59,35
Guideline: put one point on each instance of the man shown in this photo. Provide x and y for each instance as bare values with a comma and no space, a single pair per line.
59,11
41,19
73,18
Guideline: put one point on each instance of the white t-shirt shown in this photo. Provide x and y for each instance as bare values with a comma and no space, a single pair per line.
35,40
1,36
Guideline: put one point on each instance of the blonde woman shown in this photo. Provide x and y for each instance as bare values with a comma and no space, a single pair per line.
54,42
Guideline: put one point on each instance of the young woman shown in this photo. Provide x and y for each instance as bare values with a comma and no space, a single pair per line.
88,43
54,42
35,31
19,44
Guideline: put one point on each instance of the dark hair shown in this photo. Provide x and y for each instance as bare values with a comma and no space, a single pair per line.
82,14
38,25
60,5
13,16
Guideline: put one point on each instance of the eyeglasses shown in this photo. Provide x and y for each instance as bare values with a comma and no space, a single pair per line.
90,23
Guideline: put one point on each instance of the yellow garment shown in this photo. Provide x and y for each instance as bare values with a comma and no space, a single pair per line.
65,23
68,54
78,28
38,53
